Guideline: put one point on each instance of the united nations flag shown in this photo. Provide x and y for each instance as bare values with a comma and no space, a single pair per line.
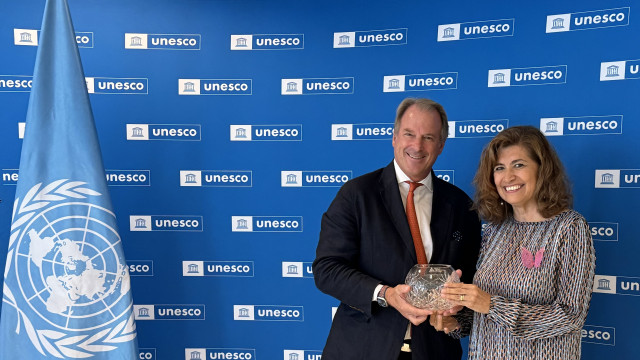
66,287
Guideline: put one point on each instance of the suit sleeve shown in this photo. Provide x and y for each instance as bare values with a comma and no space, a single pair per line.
336,269
472,238
465,316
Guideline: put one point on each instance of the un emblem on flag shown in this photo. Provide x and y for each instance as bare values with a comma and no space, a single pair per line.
67,276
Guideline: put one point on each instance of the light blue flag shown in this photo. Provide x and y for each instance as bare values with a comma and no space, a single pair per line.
66,292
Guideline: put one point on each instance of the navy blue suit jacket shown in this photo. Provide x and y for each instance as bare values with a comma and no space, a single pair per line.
365,240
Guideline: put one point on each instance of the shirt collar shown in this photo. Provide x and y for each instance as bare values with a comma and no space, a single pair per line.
402,177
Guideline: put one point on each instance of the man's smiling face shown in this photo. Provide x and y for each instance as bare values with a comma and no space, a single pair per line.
417,142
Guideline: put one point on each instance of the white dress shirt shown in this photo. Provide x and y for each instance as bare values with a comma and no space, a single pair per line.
423,199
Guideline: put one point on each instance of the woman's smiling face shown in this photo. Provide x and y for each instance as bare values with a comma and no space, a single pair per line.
515,176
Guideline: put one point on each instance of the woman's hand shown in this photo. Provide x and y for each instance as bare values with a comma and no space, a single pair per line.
443,323
468,295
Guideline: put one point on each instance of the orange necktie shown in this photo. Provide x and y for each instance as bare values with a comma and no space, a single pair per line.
413,224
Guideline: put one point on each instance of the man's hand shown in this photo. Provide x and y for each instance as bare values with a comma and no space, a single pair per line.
396,297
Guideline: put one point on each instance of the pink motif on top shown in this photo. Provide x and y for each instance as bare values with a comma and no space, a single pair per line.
529,261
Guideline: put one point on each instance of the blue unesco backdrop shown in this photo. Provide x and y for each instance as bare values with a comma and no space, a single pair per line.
228,126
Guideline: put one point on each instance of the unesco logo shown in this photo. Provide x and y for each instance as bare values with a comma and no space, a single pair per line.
165,223
607,178
216,178
387,37
302,355
267,42
268,313
122,86
588,20
476,30
297,269
541,75
215,86
317,86
605,284
266,223
29,37
476,128
218,268
144,312
25,37
147,353
10,176
604,231
84,39
15,83
601,335
446,175
291,178
169,312
219,353
620,70
620,178
620,285
291,132
172,132
582,125
162,41
379,131
420,82
140,267
128,177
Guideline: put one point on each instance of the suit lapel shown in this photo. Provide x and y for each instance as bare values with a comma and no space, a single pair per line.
393,203
441,215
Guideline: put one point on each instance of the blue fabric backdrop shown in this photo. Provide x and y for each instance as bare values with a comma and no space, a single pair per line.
228,126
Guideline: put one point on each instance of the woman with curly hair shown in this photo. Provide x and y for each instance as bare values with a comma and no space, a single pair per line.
530,295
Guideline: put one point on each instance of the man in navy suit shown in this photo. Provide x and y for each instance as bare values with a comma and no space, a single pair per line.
366,247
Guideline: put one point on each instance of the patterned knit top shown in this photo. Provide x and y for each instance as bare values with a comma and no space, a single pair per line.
539,300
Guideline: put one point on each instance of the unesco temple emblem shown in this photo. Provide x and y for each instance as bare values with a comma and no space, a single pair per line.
67,281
